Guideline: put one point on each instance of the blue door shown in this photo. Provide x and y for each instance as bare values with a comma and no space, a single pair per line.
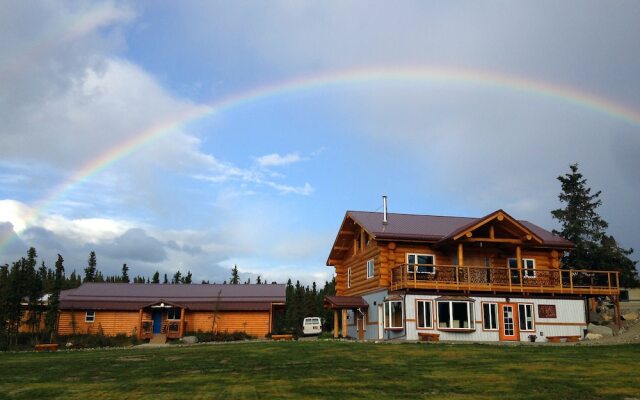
156,315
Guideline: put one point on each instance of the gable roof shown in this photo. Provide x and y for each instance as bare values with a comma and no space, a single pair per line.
133,296
431,228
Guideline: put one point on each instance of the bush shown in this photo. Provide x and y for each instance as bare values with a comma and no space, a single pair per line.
220,336
91,341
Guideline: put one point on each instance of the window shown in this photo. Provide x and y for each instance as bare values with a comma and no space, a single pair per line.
348,277
525,315
528,266
173,313
455,315
423,262
90,316
393,314
424,314
370,265
490,316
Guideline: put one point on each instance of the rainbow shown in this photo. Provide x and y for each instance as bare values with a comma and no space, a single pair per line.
424,75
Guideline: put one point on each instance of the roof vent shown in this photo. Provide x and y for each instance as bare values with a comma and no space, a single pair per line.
384,210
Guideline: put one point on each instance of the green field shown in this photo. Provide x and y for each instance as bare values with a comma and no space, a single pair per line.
326,369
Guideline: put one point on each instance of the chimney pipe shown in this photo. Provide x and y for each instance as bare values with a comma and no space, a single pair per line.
384,210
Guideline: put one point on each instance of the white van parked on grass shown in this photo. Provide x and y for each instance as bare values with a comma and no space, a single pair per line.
312,326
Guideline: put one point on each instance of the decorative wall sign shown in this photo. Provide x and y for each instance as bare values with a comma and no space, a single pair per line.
547,311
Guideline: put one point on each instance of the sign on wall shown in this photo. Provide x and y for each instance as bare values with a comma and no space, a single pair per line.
547,311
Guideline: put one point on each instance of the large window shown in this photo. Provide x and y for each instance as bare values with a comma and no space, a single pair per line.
490,316
425,318
348,277
455,315
423,263
528,266
525,315
173,313
90,316
393,314
370,266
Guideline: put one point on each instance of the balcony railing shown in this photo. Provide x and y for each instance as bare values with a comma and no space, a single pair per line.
172,328
497,279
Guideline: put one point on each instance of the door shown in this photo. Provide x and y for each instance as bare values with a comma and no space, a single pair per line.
156,315
508,318
361,323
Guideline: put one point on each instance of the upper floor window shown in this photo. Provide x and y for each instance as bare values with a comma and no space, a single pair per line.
370,267
349,277
423,263
90,316
528,266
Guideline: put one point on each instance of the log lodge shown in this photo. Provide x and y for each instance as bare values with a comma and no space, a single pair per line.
169,311
495,278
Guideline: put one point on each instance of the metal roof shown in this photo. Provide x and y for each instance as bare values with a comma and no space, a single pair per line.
133,296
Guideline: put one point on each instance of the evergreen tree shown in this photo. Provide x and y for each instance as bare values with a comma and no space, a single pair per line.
125,273
156,277
166,280
235,276
259,280
177,277
582,225
4,288
90,271
188,278
53,308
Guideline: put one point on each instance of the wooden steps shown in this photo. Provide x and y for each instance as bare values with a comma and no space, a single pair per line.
158,338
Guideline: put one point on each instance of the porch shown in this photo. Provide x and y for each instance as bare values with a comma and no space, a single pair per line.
166,319
504,280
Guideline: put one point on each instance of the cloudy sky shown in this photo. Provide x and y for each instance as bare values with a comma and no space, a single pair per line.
199,135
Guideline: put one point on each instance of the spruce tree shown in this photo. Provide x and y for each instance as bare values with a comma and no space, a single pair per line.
90,271
53,307
156,277
166,280
235,276
582,225
188,278
125,273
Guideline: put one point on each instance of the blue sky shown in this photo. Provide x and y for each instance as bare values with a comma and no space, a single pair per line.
264,184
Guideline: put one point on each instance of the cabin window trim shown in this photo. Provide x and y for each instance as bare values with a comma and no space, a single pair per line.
349,278
526,318
90,316
528,266
423,268
449,309
370,268
427,322
172,312
490,316
391,308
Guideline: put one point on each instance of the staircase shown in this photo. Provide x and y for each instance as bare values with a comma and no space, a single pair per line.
158,338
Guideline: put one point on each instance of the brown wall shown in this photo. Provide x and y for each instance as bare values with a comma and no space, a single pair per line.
255,323
388,255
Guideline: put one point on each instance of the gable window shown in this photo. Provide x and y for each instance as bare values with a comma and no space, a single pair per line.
528,266
455,315
425,319
349,277
490,316
370,266
422,263
173,313
90,316
393,314
525,315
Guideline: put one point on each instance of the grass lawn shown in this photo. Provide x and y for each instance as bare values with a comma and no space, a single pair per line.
326,369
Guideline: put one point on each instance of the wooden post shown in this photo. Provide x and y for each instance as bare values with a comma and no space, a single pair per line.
344,323
519,262
492,232
181,328
460,255
140,324
336,324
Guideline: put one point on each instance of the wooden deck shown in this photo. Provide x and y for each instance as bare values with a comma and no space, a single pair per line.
504,280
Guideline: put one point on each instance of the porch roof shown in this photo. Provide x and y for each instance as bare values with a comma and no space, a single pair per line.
344,302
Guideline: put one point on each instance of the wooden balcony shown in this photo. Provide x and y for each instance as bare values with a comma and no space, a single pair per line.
504,280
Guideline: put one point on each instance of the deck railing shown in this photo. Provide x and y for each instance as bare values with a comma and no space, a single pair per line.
499,279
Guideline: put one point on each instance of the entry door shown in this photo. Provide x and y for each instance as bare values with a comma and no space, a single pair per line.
360,325
508,316
156,315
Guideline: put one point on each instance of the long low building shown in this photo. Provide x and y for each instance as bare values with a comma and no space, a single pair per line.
145,310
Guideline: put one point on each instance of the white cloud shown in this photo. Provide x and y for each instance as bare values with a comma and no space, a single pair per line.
276,160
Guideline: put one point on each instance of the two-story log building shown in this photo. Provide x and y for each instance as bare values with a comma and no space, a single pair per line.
493,278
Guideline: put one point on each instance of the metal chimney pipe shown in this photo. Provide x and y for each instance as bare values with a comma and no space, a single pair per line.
384,210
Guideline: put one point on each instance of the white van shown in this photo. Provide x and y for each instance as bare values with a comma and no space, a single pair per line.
312,326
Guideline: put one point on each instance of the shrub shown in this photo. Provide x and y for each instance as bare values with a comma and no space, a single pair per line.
220,336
